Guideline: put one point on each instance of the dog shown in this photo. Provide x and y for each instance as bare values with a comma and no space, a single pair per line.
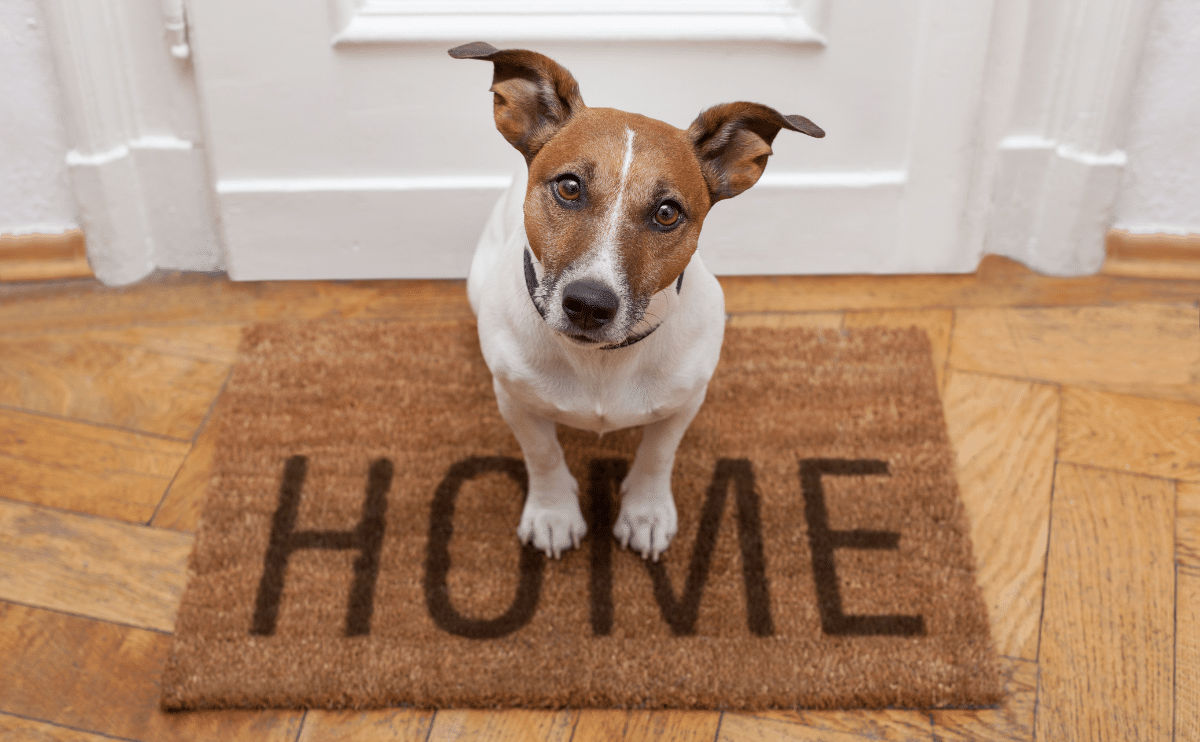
594,309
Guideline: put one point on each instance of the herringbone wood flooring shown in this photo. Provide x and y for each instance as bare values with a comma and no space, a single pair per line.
1074,407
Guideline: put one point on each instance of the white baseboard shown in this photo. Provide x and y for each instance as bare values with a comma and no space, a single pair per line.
427,227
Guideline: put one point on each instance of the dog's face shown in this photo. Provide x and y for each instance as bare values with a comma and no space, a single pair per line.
616,200
613,211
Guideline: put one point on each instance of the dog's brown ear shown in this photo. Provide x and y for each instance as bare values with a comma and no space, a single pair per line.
534,95
733,142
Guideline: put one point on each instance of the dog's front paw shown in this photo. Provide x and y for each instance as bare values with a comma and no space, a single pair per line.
646,525
552,529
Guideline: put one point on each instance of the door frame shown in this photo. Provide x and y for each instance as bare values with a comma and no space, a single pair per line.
137,161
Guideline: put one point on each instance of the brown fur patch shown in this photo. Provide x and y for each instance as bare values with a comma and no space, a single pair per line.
663,167
534,96
733,141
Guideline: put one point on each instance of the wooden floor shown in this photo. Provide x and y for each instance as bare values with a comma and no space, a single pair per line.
1074,407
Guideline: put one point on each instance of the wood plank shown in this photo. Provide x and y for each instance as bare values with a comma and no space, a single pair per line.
14,728
1120,243
1003,434
401,725
1108,626
999,282
1150,350
1133,434
77,376
69,243
937,324
213,343
180,508
1152,255
416,300
1187,656
43,257
1187,524
1152,267
161,298
44,269
85,468
889,725
600,725
189,298
811,320
1012,722
91,566
510,725
738,727
101,677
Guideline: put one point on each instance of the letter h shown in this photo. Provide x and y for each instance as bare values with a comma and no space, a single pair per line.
367,538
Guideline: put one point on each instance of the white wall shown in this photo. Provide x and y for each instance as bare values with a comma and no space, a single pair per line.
35,190
1160,191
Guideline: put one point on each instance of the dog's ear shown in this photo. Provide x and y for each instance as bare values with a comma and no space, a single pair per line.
733,142
534,95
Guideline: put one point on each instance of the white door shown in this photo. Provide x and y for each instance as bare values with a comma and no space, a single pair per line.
345,143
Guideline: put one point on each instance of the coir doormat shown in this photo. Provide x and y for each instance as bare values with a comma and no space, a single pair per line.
358,542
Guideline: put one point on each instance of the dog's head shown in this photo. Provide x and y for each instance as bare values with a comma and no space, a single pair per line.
616,200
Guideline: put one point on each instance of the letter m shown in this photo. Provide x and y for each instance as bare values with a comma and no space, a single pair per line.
680,612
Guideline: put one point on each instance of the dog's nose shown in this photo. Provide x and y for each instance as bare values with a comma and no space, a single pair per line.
589,304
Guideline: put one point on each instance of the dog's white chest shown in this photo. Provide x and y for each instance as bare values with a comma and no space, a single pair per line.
601,399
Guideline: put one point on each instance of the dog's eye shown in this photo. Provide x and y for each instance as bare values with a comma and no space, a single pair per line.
667,214
568,189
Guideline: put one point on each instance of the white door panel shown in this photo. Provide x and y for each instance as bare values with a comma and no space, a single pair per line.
346,143
340,140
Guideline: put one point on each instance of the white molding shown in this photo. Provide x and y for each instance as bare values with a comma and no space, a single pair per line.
451,183
849,179
382,21
1116,157
352,228
1060,89
447,183
142,192
88,46
573,7
951,66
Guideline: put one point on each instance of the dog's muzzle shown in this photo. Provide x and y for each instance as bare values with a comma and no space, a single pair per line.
588,304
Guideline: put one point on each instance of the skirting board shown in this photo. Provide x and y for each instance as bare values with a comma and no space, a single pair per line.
1155,255
393,228
43,257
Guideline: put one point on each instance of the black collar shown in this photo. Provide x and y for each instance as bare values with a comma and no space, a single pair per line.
531,284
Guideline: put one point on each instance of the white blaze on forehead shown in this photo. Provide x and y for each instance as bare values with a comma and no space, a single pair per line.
602,263
612,223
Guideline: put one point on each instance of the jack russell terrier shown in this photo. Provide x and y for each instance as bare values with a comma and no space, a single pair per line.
594,309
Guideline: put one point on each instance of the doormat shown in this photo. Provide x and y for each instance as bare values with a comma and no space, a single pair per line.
358,542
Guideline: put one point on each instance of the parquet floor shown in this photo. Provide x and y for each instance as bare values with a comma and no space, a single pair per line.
1074,407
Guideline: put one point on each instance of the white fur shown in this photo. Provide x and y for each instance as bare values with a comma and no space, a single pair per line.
608,238
542,377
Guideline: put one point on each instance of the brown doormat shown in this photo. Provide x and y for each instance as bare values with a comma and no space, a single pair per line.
358,542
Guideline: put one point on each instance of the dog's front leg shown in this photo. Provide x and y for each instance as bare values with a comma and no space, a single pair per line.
648,520
551,520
